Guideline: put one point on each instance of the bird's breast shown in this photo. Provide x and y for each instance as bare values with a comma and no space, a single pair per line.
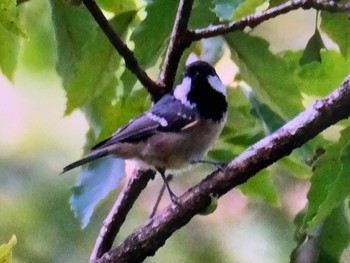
174,150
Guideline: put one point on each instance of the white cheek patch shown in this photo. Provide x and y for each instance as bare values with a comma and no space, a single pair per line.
216,84
181,92
163,122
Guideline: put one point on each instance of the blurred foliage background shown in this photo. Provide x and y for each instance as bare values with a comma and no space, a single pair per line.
37,139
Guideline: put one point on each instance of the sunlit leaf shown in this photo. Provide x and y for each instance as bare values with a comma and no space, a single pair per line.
117,6
337,27
38,52
8,52
312,49
93,184
9,18
6,250
266,73
319,78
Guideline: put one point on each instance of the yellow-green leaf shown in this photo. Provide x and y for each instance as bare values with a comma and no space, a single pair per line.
6,250
9,18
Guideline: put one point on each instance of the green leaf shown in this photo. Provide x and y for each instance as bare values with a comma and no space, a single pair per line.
319,78
335,236
242,127
96,69
105,116
312,49
73,27
276,2
93,184
10,29
337,27
246,8
202,14
9,18
337,190
261,186
326,242
128,81
330,182
152,34
295,167
326,170
266,73
117,6
6,250
272,120
38,54
224,9
8,52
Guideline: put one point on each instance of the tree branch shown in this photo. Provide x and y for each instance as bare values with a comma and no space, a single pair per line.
119,211
145,240
130,61
256,19
178,43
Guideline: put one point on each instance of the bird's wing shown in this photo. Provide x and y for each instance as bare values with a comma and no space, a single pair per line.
167,115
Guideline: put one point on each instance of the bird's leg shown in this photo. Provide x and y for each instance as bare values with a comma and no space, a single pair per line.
173,197
218,165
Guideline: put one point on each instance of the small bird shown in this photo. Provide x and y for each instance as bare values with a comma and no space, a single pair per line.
176,131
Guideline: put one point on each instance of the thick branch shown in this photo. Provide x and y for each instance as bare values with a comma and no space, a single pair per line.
130,61
178,43
145,240
256,19
119,211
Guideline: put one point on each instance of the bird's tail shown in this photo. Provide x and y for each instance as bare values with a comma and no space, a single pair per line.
93,155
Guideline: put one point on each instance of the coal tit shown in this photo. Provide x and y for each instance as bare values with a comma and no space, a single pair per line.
177,130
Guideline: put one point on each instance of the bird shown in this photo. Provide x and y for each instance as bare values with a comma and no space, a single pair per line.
176,131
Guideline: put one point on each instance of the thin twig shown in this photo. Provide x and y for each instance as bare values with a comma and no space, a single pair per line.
256,19
178,43
130,61
145,240
119,211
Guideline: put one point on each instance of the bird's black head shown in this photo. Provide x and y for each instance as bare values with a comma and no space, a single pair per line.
202,88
